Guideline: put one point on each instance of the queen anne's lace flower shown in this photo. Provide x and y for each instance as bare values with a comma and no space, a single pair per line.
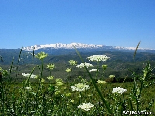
28,88
84,64
27,75
80,87
98,58
86,106
92,70
119,90
111,76
72,100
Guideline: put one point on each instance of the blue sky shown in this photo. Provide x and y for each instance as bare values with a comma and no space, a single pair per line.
107,22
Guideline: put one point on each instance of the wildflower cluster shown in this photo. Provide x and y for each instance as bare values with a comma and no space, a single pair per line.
4,72
28,88
104,67
59,82
80,87
50,77
101,82
68,70
86,106
98,58
72,62
41,55
50,66
111,76
84,64
28,74
92,70
59,88
42,80
119,90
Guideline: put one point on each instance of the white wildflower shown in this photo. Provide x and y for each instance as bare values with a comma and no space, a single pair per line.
111,76
80,87
28,88
98,58
118,90
72,100
27,75
92,70
84,64
86,106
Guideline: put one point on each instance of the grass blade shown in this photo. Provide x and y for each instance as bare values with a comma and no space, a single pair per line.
136,50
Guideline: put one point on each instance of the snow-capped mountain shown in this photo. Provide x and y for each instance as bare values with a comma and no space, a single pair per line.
60,45
78,45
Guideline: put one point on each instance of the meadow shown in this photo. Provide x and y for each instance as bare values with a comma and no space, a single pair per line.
86,95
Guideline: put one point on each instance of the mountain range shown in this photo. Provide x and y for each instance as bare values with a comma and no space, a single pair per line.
82,47
63,52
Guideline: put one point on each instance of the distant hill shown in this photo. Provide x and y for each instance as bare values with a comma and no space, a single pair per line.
119,63
63,55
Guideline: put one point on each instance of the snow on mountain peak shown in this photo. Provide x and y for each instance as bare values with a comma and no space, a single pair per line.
60,45
77,45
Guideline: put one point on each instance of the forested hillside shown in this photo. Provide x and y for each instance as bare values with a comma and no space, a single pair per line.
120,64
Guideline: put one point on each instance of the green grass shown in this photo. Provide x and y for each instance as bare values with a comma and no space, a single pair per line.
60,100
